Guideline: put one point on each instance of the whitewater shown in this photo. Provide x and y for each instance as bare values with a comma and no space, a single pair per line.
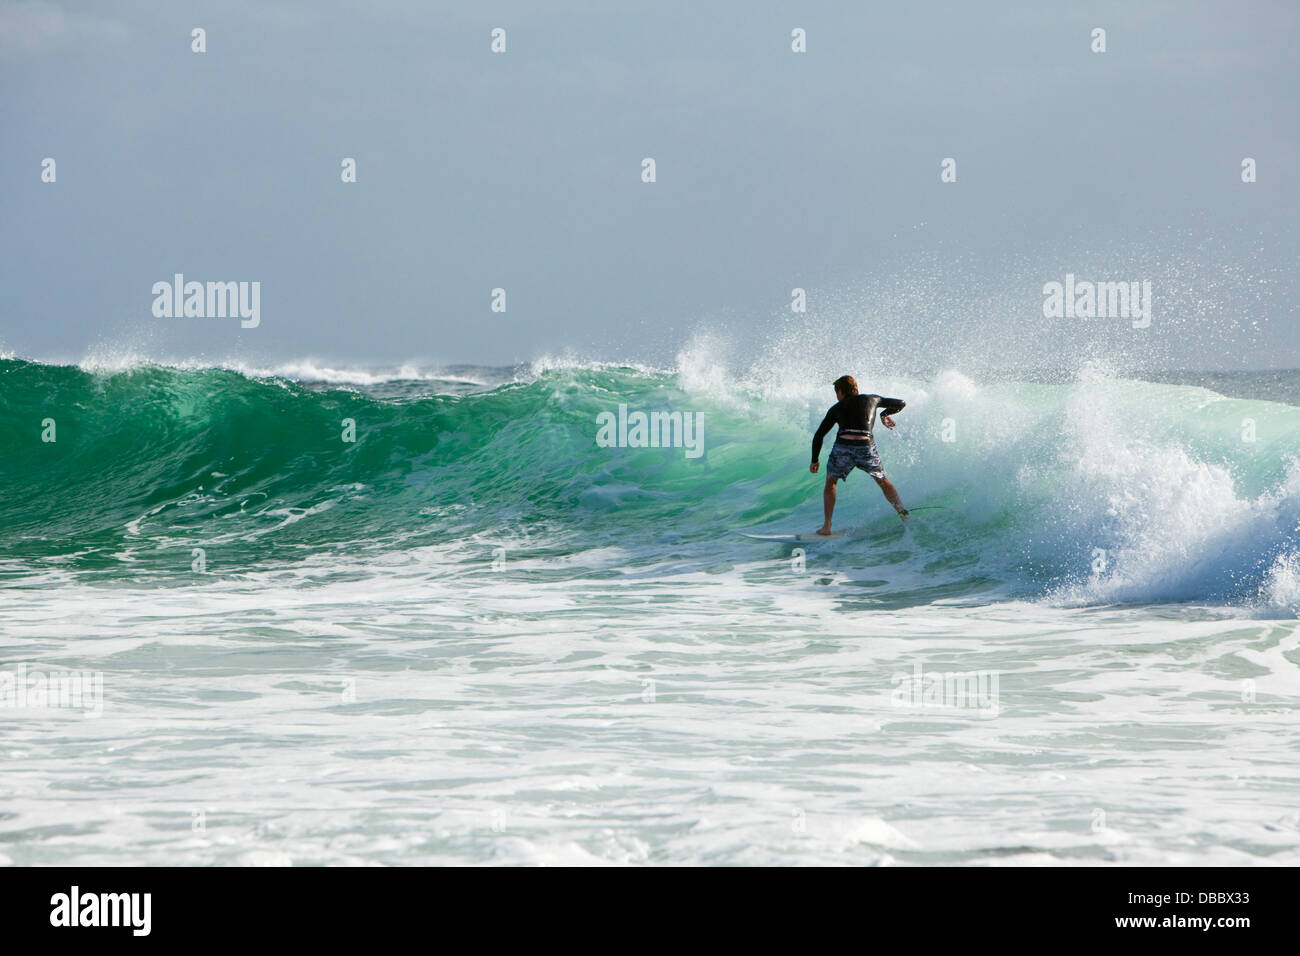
474,635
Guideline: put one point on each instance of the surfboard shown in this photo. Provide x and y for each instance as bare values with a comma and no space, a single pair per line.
813,536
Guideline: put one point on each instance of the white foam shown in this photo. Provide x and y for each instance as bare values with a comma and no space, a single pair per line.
1165,524
1281,588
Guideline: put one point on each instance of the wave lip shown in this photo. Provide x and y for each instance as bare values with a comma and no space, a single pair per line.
305,370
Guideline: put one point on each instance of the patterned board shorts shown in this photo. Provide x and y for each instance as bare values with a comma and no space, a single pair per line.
845,456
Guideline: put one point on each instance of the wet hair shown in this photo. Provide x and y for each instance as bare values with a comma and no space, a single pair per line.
846,385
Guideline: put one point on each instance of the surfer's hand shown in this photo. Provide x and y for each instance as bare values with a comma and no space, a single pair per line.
814,466
886,421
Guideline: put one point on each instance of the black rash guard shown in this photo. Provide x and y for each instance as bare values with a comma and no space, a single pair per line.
855,415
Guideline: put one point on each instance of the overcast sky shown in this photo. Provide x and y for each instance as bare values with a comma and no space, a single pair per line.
522,170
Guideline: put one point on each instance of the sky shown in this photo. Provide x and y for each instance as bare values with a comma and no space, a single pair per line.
775,170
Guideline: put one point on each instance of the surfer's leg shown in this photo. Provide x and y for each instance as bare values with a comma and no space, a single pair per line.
828,502
891,494
838,466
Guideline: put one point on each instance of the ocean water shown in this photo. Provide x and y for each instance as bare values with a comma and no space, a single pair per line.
474,635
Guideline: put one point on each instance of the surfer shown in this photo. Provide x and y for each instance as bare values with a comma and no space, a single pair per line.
854,445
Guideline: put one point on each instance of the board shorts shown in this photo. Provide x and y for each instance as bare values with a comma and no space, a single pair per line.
845,456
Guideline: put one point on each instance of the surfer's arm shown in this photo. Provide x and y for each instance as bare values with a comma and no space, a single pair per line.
827,423
887,407
890,406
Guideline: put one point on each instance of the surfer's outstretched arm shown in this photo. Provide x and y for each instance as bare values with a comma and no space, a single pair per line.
889,407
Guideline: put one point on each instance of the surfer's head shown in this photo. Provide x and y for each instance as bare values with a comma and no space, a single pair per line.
845,386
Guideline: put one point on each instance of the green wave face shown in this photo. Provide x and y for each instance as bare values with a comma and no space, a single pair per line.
169,457
1102,490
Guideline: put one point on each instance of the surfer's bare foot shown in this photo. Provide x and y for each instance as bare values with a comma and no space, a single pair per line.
825,530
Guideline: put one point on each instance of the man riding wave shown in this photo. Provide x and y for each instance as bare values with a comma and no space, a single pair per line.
855,446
